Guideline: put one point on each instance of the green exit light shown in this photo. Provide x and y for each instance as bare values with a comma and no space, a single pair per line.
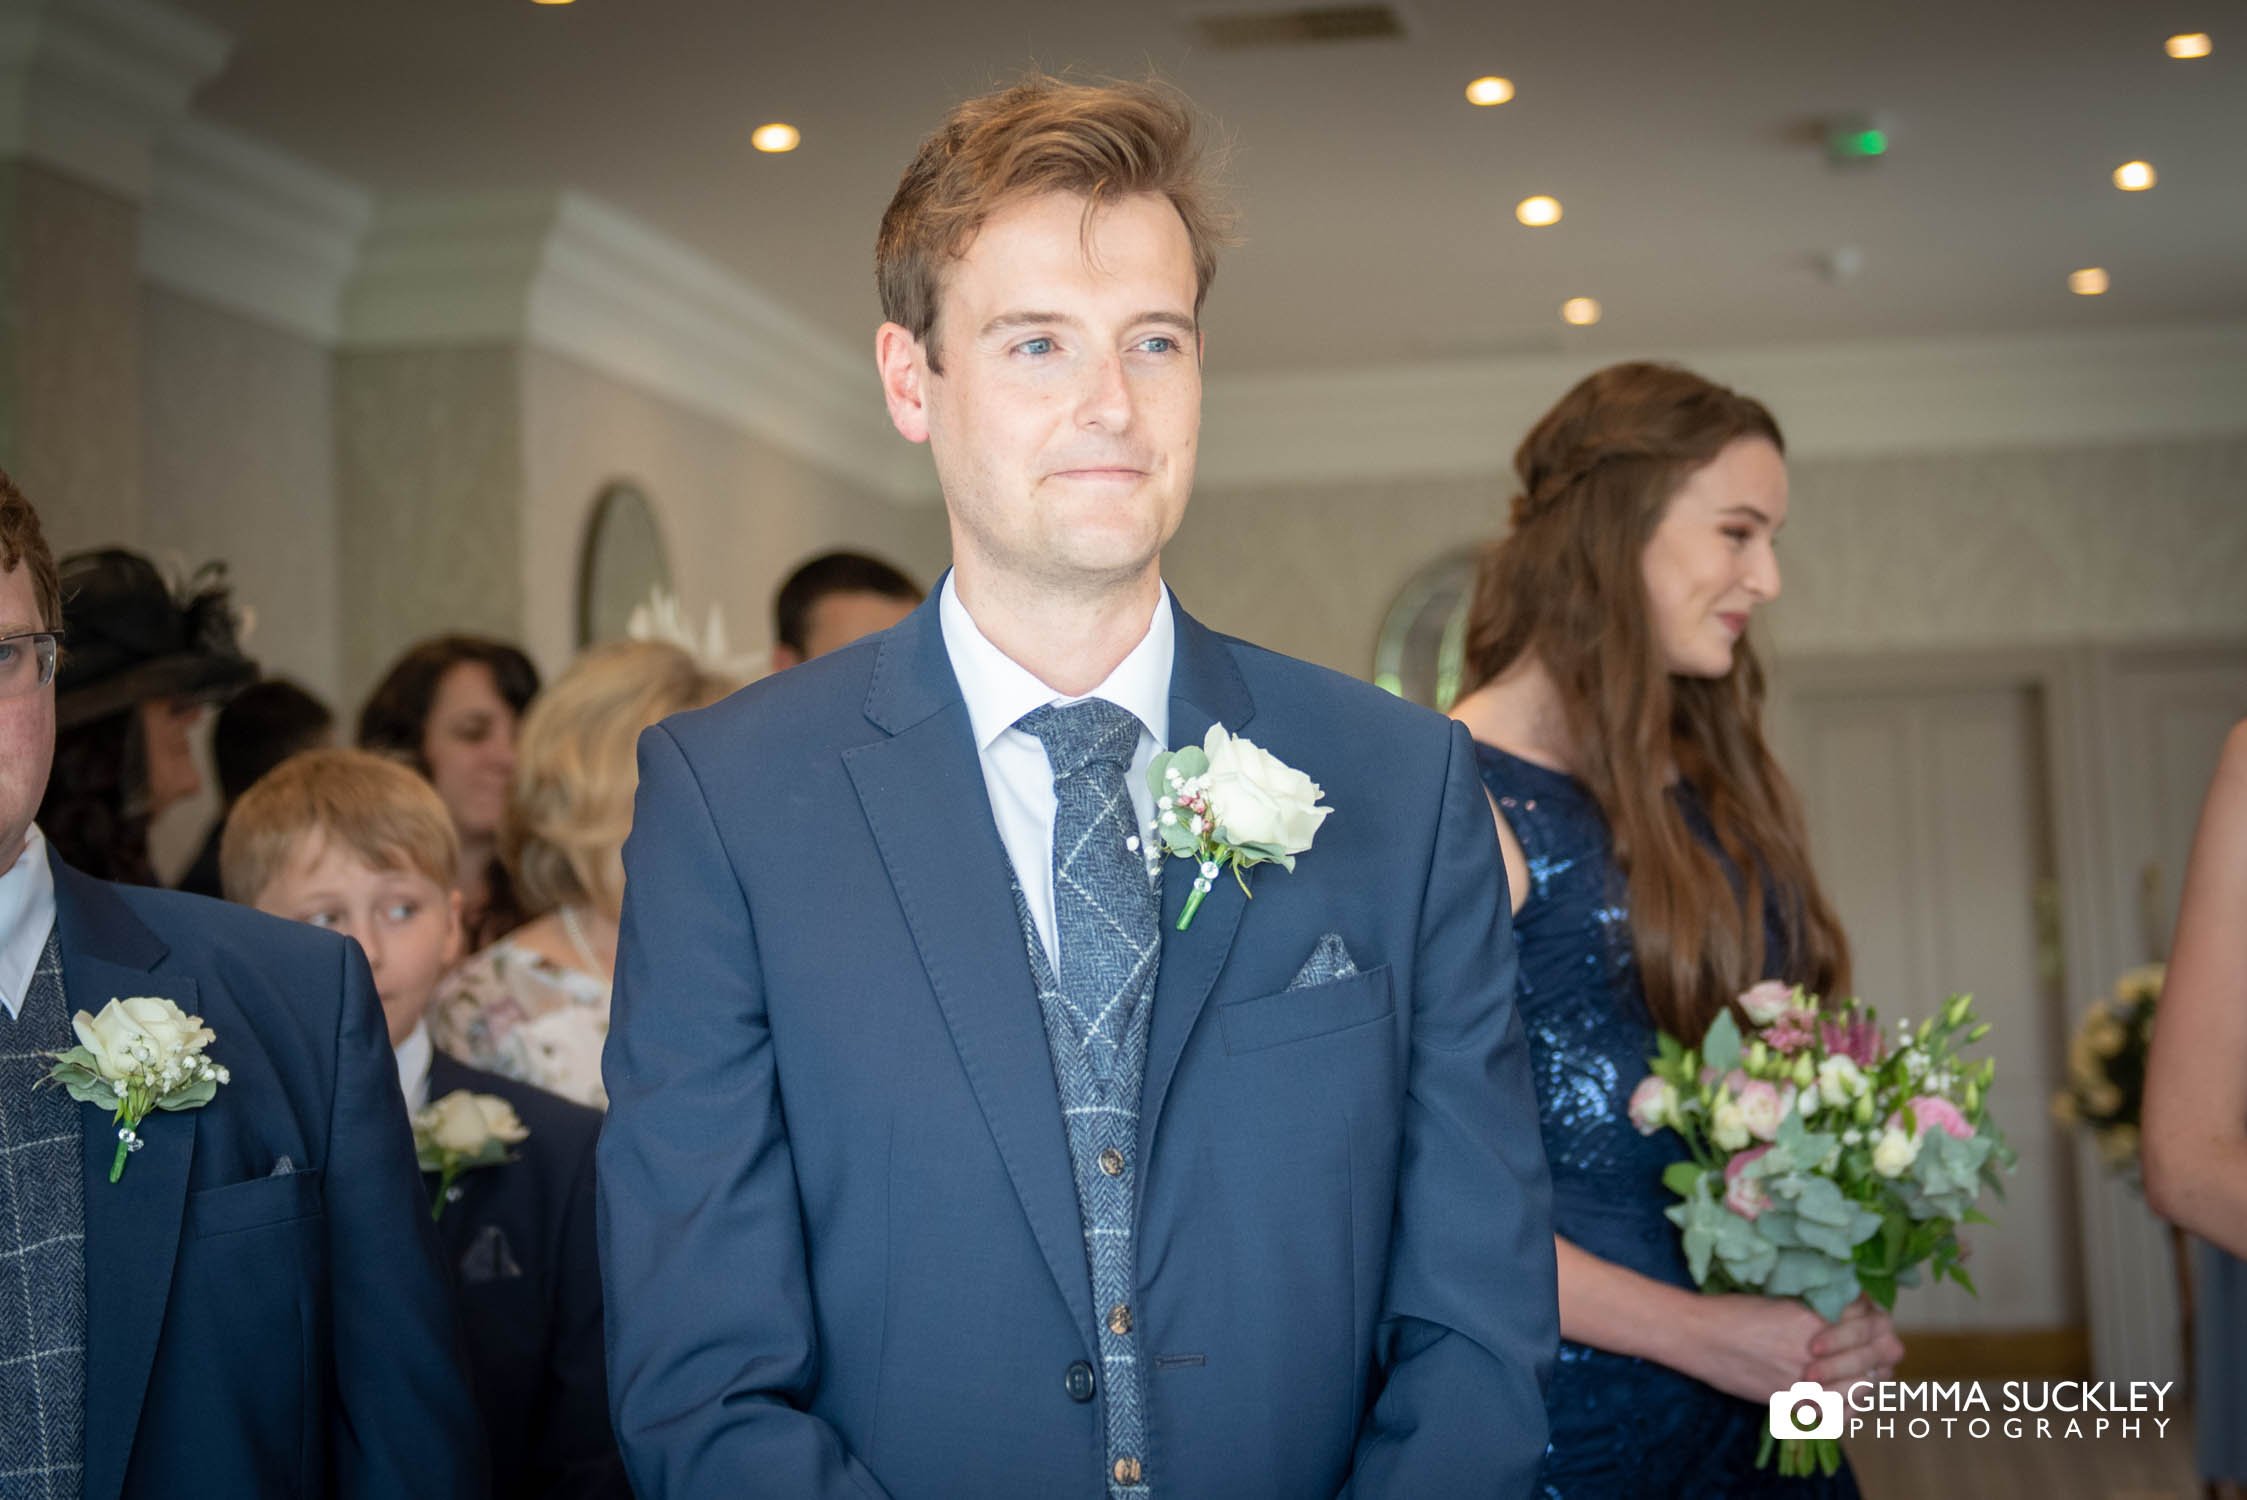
1855,139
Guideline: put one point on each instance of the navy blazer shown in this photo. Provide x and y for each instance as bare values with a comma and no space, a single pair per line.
519,1241
840,1236
266,1314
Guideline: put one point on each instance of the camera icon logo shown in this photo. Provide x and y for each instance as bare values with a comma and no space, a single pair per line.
1806,1410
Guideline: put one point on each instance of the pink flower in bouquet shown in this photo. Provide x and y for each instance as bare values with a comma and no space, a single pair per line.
1934,1113
1857,1039
1768,1001
1745,1195
1762,1107
1653,1104
1792,1032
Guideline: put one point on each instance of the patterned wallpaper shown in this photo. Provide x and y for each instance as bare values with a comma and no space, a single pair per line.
736,513
2115,543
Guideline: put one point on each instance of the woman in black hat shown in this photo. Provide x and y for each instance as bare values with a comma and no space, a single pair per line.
139,664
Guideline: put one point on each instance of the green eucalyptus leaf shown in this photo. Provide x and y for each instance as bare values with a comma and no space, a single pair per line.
1720,1049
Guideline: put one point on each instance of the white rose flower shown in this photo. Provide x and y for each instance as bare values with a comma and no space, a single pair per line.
141,1034
1258,798
1840,1080
1897,1150
465,1122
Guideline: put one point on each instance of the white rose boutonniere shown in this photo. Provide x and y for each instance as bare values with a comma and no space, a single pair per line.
139,1054
1230,802
461,1132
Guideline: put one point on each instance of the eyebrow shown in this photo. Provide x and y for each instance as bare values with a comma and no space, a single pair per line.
21,627
1747,510
1030,317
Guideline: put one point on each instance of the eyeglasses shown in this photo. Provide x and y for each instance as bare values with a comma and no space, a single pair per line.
27,661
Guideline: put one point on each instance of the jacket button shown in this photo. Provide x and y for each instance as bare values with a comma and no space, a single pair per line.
1077,1381
1119,1320
1112,1162
1126,1471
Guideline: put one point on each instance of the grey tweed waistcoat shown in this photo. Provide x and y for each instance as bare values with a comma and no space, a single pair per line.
42,1251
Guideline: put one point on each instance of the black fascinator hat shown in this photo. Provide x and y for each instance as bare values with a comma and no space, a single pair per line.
130,637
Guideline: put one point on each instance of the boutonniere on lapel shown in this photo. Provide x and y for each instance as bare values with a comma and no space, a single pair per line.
460,1133
1230,802
139,1054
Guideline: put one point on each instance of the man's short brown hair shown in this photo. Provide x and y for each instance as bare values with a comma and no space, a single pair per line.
367,803
23,544
1103,142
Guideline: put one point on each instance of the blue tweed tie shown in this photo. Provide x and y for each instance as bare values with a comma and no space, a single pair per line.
1104,907
1096,1011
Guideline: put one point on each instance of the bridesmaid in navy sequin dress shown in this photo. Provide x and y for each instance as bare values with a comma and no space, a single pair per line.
1612,618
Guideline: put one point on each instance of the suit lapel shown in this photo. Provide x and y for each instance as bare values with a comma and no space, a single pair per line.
133,1225
924,798
1205,688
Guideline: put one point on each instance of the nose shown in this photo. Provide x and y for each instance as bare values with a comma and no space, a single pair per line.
1106,402
370,943
1763,573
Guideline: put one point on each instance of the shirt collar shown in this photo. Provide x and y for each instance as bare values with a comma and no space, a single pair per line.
415,1054
27,915
999,690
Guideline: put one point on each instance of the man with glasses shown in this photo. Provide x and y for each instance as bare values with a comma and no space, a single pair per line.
242,1297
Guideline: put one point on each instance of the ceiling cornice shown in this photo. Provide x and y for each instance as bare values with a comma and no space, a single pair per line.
1859,398
565,273
88,87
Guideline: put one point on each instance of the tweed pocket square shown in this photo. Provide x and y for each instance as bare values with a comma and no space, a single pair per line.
488,1258
1329,961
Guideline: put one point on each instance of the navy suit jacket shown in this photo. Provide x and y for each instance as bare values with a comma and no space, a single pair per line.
519,1241
253,1331
840,1235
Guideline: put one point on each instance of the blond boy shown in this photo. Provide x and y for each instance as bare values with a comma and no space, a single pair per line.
354,842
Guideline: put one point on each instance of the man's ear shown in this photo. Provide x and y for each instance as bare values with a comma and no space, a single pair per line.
904,371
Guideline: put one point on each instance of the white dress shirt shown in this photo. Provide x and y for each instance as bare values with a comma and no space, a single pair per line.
999,690
27,915
414,1056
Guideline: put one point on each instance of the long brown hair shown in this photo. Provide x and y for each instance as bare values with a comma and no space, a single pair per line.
1597,474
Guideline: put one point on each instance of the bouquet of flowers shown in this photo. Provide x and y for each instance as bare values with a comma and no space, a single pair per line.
1825,1161
2107,1066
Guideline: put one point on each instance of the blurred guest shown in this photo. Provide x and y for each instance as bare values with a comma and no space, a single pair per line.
2196,1108
138,667
237,1296
835,599
451,707
535,1005
1658,867
265,724
356,843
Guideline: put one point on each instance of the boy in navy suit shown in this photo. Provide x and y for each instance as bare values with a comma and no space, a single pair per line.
350,841
237,1312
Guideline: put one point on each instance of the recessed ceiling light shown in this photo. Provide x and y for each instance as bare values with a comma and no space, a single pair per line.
1539,211
1488,91
775,137
1581,311
2189,44
2135,176
2091,281
550,2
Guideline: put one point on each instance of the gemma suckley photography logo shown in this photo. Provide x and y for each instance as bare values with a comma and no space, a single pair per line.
2016,1409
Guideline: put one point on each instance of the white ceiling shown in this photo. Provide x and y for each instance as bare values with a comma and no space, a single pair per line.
1376,204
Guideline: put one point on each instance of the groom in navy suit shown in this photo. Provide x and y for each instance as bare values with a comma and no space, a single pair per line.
254,1306
940,1160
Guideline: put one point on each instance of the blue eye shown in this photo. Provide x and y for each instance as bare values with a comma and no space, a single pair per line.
403,911
1161,343
1035,346
320,918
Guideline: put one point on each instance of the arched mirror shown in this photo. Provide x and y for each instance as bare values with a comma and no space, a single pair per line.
1422,651
622,562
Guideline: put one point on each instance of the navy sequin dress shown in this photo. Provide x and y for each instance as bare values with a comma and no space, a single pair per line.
1620,1426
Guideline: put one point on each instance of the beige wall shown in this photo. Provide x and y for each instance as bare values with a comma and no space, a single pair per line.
737,514
429,479
2116,543
70,354
238,454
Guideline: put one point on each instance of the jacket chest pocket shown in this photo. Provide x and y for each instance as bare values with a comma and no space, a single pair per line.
1314,1011
263,1201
